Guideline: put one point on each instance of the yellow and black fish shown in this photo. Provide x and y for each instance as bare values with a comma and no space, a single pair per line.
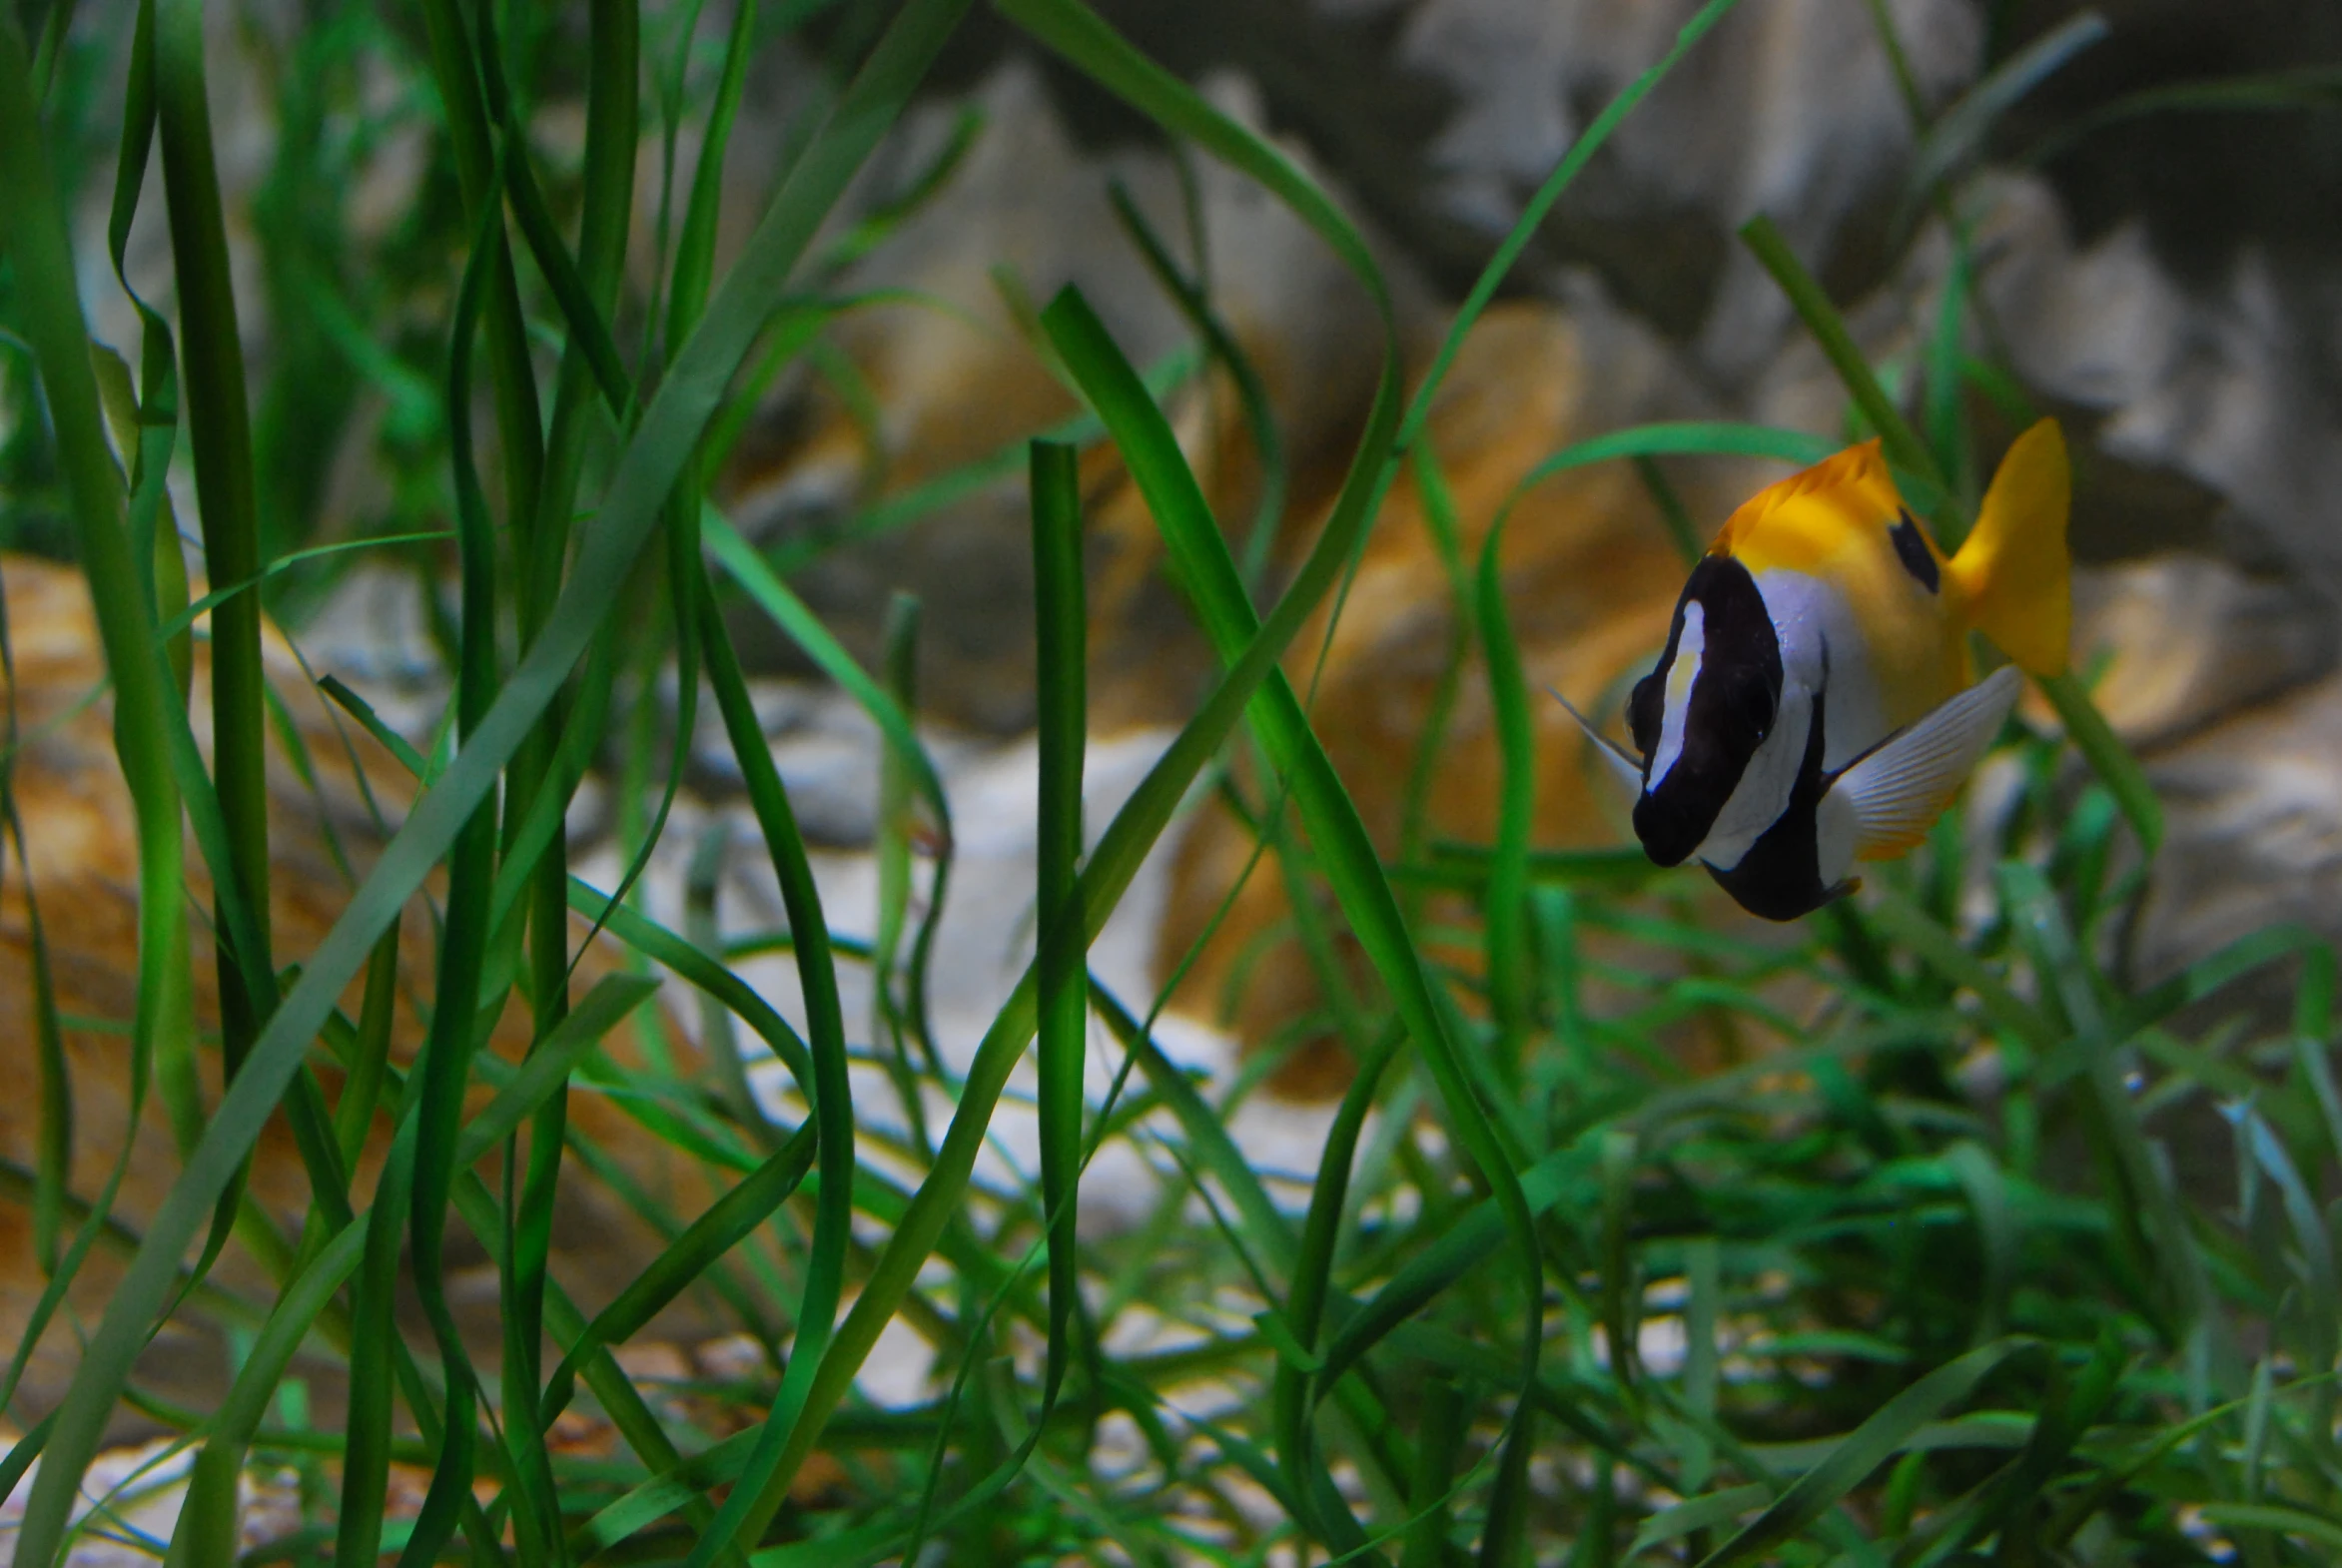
1815,704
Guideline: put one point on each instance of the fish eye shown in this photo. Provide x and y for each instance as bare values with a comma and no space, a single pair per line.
1641,714
1756,706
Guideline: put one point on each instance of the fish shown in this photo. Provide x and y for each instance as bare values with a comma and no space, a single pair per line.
1816,705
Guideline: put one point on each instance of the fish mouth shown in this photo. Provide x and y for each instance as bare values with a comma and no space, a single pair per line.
1672,826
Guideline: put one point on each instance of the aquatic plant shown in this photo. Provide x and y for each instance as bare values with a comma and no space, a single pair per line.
1549,1291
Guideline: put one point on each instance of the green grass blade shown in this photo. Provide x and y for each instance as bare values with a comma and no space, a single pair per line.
1683,530
764,586
1086,41
543,778
1336,834
719,1044
1998,1225
1252,393
1324,1511
2313,88
1461,1244
443,1070
2112,761
2215,971
1060,627
764,1484
1507,904
550,1062
35,235
1960,131
230,817
695,248
220,438
890,1014
1689,437
366,1460
728,1222
1942,951
208,1522
1865,1449
1565,172
472,139
658,943
1446,1410
890,512
1446,530
2309,1524
1696,1515
1213,1151
652,459
612,129
1903,446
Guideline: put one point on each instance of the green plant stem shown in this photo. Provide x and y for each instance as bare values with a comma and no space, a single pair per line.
444,1069
612,129
1061,623
32,230
220,438
471,136
1903,447
694,387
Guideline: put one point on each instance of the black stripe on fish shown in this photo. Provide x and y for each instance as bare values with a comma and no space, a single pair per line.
1734,699
1911,547
1780,877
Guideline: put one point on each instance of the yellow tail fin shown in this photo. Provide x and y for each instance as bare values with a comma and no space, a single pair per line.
2015,574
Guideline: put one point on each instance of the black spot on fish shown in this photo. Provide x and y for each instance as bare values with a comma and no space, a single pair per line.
1780,877
1911,547
1733,704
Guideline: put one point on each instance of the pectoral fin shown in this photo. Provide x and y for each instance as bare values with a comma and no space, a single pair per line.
1897,790
1619,768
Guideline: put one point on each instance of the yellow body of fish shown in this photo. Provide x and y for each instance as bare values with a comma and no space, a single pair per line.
2011,579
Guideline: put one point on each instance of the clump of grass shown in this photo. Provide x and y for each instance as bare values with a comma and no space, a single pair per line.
1549,1294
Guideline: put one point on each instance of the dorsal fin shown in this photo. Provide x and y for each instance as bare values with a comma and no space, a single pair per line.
1619,768
1900,786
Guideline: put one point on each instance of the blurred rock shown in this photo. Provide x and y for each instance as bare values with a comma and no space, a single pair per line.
2207,186
2253,832
1791,109
954,382
2230,383
1443,116
2190,641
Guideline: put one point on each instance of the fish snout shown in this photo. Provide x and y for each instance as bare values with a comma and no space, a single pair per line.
1673,818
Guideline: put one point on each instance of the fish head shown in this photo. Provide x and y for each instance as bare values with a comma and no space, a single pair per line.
1701,715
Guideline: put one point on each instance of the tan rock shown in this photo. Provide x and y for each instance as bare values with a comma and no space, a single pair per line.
954,376
2253,831
2188,641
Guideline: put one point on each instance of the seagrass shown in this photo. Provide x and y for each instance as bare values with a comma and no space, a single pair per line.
69,792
